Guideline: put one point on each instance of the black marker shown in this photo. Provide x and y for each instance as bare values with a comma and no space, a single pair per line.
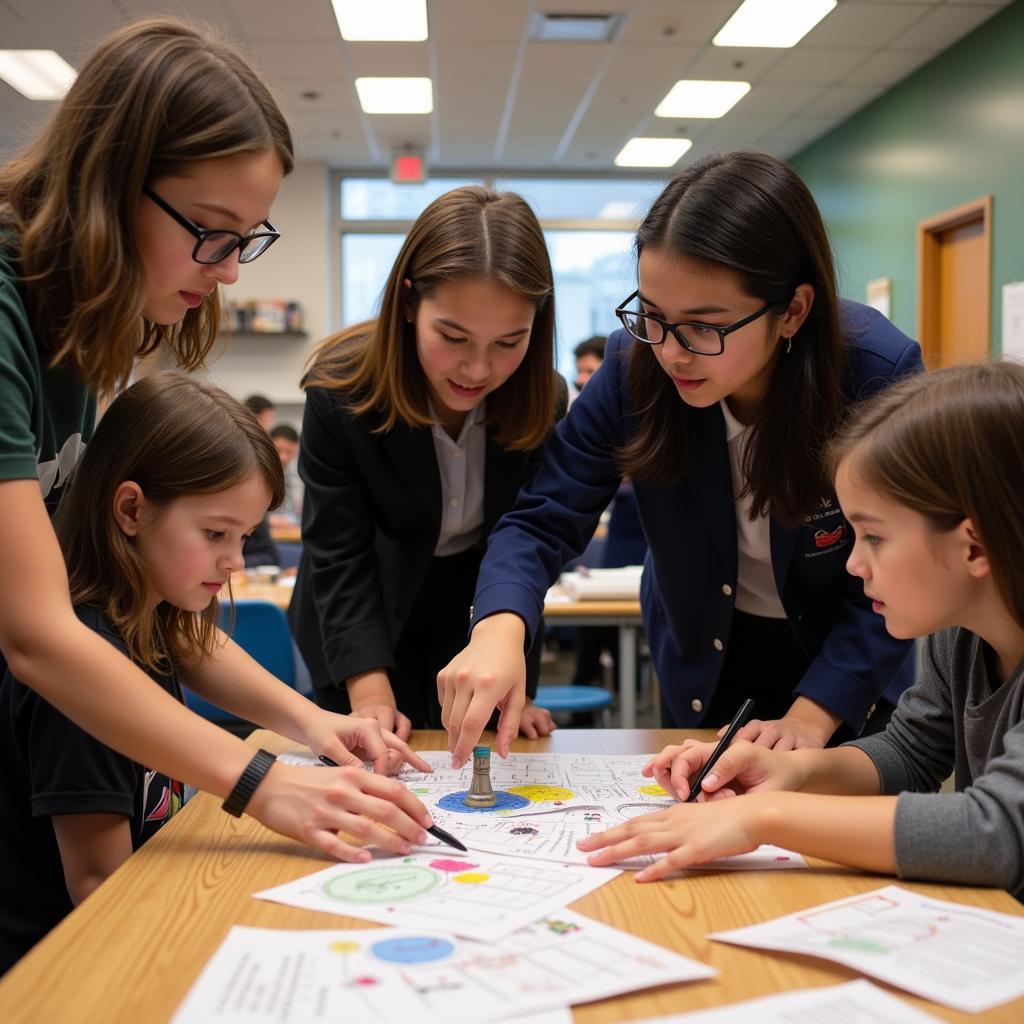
737,723
434,830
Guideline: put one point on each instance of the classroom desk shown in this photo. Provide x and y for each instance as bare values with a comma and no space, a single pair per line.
291,533
132,950
624,615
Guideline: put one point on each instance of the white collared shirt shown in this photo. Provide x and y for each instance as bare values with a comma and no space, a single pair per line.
756,593
461,463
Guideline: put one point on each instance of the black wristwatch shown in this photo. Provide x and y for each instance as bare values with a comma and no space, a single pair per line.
238,799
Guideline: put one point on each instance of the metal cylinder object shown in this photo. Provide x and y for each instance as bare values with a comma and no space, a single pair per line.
481,792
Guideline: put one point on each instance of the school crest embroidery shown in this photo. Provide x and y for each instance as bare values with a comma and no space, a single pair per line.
827,538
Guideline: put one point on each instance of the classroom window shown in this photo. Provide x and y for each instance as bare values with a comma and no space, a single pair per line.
589,224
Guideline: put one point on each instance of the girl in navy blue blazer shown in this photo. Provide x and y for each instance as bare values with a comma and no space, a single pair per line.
735,365
419,429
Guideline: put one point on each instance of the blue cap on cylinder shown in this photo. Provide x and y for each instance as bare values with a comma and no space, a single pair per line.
481,751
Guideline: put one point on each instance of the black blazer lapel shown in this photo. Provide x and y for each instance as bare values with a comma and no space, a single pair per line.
709,479
412,454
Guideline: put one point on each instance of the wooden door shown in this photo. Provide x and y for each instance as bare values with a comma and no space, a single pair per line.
954,284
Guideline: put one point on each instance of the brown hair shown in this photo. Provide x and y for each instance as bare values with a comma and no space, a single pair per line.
469,233
153,98
949,445
751,214
174,436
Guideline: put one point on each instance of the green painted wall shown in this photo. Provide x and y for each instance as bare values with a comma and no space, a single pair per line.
952,131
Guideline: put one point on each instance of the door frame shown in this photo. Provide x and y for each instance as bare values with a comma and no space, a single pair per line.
928,231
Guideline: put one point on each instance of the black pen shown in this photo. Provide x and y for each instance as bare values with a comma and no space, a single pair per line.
434,830
737,723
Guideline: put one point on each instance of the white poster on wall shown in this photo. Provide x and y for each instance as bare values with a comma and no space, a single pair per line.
1013,321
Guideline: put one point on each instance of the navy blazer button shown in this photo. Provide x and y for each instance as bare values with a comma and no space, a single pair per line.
719,646
727,590
697,704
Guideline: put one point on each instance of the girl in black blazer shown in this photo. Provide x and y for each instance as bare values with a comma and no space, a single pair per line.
419,429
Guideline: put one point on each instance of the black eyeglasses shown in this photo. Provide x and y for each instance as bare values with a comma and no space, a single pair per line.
701,339
214,246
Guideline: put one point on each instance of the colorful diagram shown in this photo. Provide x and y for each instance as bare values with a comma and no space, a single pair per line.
387,884
652,790
417,949
540,793
504,801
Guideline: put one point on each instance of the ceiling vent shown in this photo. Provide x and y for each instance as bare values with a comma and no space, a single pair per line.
574,28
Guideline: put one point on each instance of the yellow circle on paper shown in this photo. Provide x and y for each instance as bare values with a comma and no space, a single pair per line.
343,947
471,878
541,793
652,790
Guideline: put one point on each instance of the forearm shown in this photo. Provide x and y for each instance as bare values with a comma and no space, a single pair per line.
368,689
858,831
100,690
842,771
814,717
234,681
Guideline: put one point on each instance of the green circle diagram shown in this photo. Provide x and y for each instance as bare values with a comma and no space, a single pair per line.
383,884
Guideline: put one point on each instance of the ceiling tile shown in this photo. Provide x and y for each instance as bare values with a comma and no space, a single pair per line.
942,27
296,19
816,66
869,24
887,67
670,23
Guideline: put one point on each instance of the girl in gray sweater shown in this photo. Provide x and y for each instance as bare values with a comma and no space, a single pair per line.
929,476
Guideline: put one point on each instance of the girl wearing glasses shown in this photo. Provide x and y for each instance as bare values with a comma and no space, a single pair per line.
419,429
735,365
151,183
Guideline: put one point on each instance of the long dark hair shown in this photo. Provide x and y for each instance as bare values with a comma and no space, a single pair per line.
174,436
467,234
750,213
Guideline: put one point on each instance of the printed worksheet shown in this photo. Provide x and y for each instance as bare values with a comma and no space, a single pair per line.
548,829
424,976
953,954
856,1002
531,784
554,837
478,896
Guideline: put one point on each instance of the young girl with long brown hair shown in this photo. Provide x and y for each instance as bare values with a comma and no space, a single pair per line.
734,367
151,183
175,477
420,426
929,475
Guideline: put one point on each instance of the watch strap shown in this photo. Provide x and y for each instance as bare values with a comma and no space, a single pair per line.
238,799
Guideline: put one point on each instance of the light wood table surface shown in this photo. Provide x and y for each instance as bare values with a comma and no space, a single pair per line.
133,949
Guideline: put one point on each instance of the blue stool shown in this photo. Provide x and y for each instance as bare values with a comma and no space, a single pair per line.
575,698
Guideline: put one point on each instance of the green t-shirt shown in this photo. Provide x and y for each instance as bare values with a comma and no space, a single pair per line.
46,415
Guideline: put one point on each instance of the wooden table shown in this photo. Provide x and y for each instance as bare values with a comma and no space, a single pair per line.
133,949
624,615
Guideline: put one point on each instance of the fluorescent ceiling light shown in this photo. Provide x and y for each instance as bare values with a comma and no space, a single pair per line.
37,74
639,152
770,23
396,21
696,98
395,95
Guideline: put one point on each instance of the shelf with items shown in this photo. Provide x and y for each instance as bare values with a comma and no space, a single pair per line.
264,316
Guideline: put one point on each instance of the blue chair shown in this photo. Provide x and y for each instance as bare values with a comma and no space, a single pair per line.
261,629
575,698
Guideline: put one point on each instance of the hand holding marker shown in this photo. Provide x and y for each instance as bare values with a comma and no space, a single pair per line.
737,723
434,830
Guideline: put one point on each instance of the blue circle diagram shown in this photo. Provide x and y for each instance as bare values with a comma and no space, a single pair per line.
417,949
503,802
